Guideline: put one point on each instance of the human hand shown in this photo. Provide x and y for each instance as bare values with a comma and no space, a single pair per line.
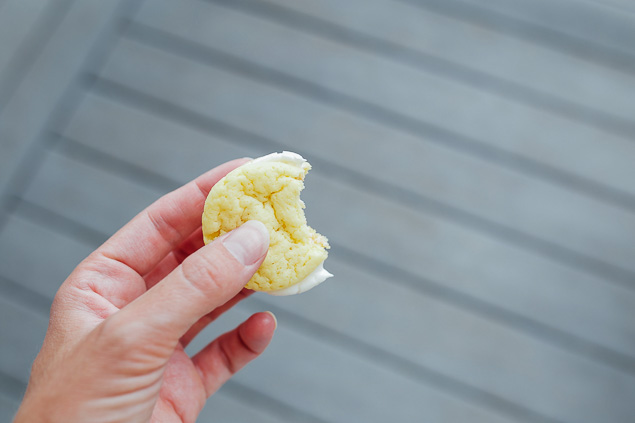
114,349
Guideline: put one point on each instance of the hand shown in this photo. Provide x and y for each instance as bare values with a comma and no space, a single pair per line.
114,350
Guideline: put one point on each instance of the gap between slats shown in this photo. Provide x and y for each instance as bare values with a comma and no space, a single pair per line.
587,49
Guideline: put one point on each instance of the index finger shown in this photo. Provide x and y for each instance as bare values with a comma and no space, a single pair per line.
157,230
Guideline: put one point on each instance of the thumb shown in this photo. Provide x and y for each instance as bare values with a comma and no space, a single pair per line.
205,280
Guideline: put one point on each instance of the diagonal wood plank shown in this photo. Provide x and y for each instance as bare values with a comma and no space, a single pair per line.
612,28
228,405
121,197
618,5
20,342
351,387
86,29
26,28
17,19
24,250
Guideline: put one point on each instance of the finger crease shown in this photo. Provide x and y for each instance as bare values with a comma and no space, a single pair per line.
180,254
227,358
203,192
244,344
117,260
176,409
162,226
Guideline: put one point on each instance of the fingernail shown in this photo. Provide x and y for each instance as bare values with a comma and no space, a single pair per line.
248,243
275,321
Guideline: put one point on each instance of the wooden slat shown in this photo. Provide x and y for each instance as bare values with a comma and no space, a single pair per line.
449,48
528,271
23,118
506,379
538,212
25,27
25,248
427,332
233,408
21,334
612,28
618,5
340,387
16,23
361,230
8,408
79,201
138,137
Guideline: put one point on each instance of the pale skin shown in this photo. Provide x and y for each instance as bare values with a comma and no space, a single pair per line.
114,349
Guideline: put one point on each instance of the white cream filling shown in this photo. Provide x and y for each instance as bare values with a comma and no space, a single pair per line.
316,277
320,274
285,157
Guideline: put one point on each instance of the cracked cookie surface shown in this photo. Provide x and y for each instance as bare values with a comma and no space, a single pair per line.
268,189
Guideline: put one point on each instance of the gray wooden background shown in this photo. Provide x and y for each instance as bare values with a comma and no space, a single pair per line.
474,169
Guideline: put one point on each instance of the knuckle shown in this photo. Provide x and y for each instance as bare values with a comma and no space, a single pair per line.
160,219
128,342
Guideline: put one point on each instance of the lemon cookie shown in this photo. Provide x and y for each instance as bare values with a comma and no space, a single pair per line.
268,189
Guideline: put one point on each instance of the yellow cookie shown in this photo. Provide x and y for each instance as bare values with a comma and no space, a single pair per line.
268,189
